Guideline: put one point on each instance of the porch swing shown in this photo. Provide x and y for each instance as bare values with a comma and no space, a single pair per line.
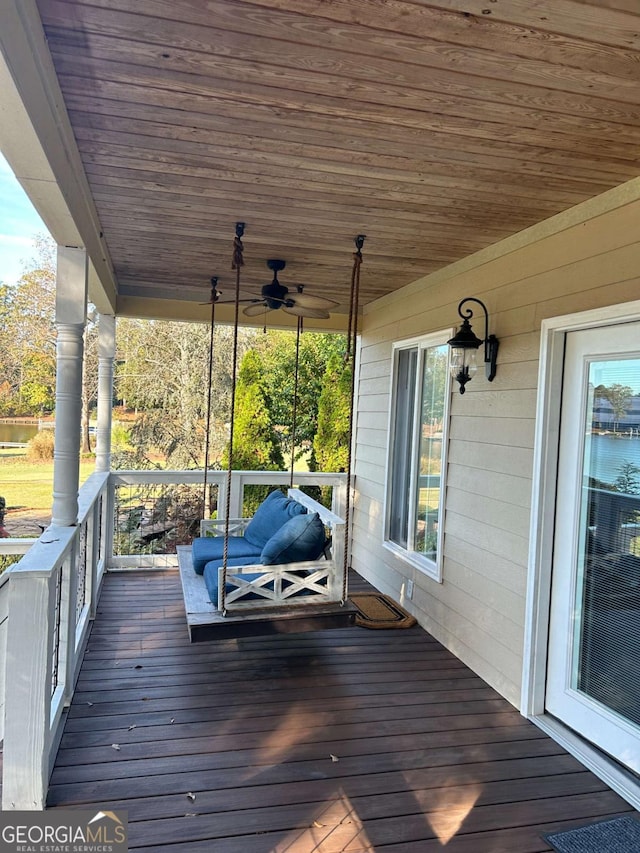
286,569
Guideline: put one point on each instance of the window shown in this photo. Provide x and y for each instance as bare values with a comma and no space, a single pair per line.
417,451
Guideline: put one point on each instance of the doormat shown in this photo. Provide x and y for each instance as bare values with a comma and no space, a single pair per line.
620,835
376,610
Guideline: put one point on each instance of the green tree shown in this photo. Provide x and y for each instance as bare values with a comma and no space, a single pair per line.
331,442
628,480
278,351
28,336
256,446
28,342
619,398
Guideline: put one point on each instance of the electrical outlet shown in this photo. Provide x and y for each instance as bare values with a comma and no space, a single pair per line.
409,589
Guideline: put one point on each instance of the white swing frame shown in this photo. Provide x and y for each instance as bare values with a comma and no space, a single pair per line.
299,589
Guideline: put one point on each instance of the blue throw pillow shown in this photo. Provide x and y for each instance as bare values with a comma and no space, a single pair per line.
274,511
301,539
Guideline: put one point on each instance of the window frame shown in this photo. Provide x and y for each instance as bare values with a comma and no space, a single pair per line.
426,565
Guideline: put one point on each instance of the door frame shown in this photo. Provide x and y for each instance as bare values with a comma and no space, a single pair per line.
543,500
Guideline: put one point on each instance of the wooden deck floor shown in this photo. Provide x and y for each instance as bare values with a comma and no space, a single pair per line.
344,740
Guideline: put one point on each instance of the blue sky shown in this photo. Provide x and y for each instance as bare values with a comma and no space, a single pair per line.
19,223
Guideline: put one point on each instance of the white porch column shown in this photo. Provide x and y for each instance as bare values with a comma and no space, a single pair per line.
106,358
71,312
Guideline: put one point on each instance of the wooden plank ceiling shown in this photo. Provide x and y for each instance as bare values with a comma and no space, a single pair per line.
435,128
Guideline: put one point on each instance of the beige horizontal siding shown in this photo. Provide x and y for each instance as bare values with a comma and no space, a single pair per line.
375,385
511,432
368,453
374,403
514,375
370,437
375,369
368,471
509,544
486,564
490,484
519,349
467,587
495,513
493,457
587,258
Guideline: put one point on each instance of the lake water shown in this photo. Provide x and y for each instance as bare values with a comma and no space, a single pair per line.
609,453
17,432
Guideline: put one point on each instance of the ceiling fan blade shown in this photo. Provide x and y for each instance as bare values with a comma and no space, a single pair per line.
309,301
230,301
233,301
300,311
256,309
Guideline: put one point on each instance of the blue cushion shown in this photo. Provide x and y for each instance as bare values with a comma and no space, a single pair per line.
301,539
274,511
206,548
211,577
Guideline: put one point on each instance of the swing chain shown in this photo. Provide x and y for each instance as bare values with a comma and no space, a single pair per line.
237,263
214,283
237,260
350,356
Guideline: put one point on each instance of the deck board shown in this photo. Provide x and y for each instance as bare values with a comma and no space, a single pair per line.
427,753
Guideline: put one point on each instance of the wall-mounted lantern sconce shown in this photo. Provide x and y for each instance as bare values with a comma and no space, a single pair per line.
465,343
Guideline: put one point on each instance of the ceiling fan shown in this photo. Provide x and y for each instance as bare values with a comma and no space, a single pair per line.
275,296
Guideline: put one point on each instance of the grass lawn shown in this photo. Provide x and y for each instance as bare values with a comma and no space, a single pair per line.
29,485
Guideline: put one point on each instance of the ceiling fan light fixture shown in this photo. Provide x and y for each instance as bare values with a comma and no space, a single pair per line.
274,293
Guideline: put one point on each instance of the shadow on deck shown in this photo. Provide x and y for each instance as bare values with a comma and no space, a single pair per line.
344,740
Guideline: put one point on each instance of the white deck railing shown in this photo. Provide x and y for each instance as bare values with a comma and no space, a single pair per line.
8,548
145,504
50,596
48,600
